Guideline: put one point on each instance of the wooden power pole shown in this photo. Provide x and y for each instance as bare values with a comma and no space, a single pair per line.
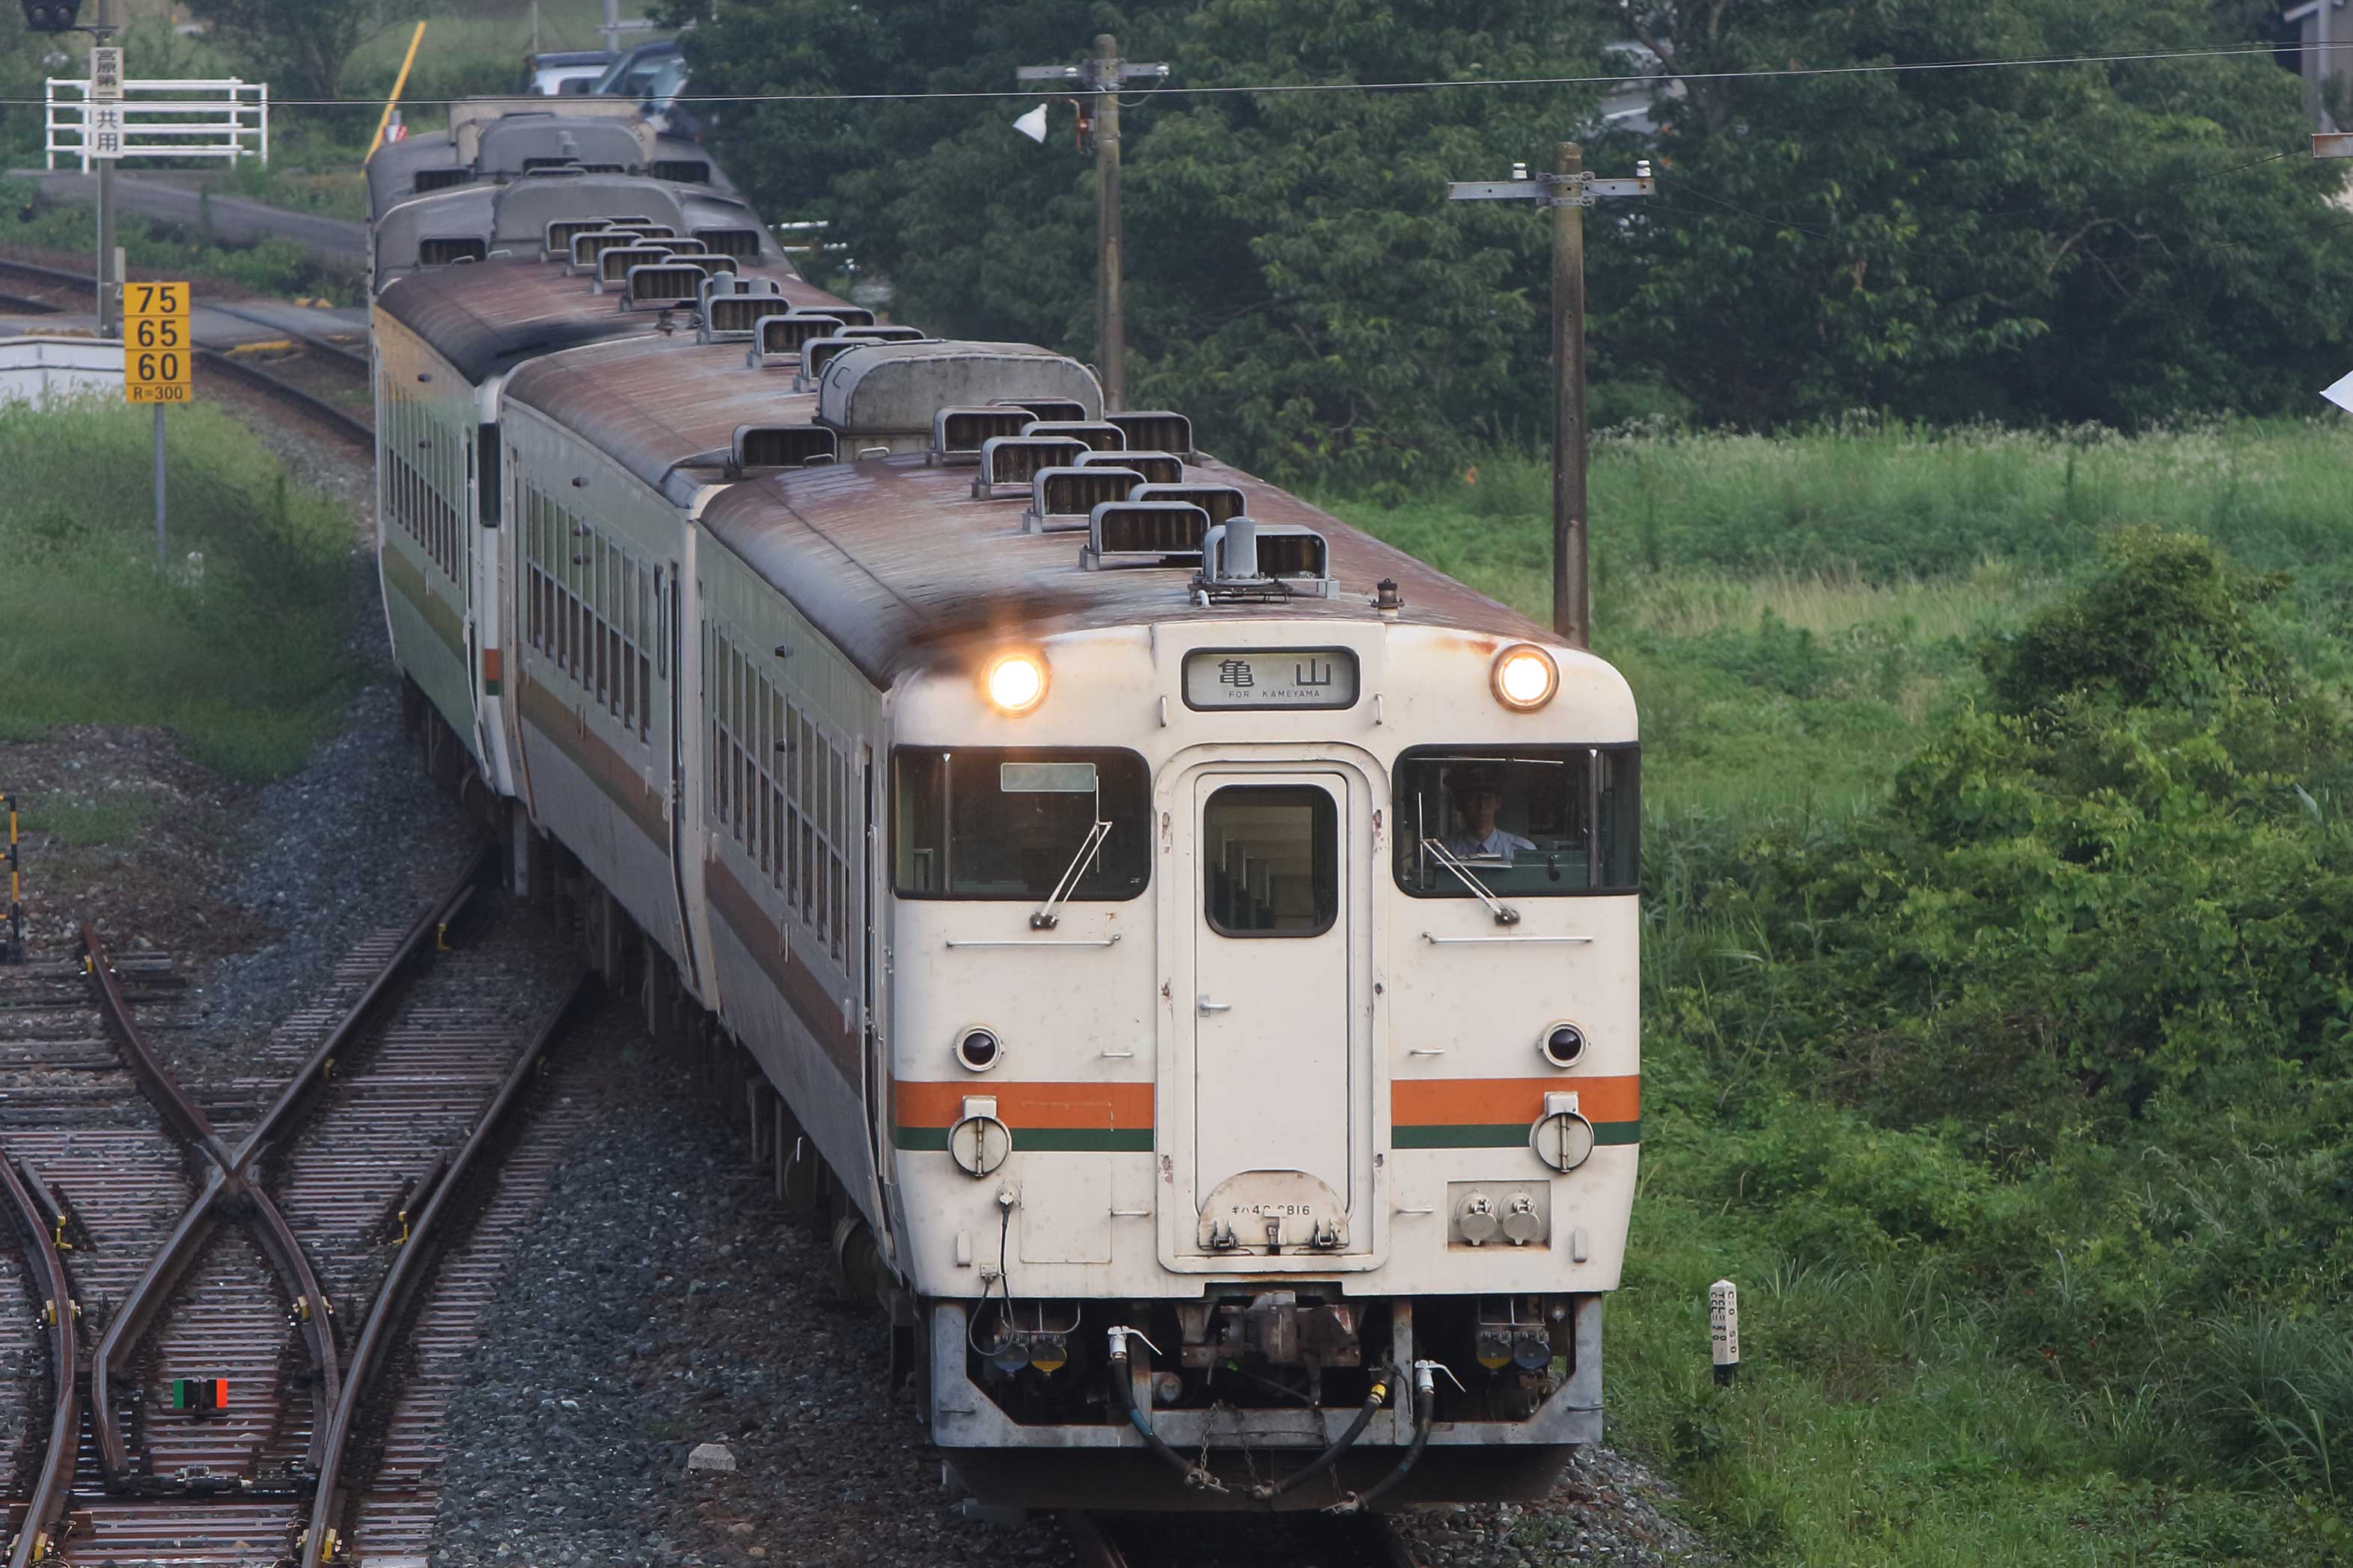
1568,190
1100,79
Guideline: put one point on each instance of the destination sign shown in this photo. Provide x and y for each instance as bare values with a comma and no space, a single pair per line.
1229,678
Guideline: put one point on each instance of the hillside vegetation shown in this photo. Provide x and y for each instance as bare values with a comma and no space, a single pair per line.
242,646
1998,1017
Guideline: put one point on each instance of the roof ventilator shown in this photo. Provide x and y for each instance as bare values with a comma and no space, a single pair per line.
818,353
1156,430
1148,532
584,248
870,333
1157,468
427,181
613,266
848,315
708,266
667,284
735,317
1018,460
958,434
1244,563
1065,498
1092,433
1223,502
741,242
562,231
449,251
782,337
769,448
1045,407
681,170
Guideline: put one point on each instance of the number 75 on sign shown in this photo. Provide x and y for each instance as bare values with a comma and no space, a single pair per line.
157,350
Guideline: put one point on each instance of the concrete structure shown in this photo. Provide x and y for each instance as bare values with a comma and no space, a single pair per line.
2319,64
46,367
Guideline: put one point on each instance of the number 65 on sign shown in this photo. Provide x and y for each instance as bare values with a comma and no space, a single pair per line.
155,346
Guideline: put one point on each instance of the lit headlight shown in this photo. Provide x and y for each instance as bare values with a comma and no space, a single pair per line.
1016,682
1525,677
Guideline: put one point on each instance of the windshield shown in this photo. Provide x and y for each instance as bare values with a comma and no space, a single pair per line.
1520,822
1007,821
666,79
631,74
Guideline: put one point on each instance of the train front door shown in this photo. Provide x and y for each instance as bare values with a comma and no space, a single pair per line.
1280,1090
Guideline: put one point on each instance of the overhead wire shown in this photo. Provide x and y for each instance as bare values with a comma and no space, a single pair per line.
1622,78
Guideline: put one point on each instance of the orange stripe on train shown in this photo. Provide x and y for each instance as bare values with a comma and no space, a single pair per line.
1041,1105
1478,1101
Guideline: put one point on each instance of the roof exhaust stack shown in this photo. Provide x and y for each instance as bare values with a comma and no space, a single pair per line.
1246,562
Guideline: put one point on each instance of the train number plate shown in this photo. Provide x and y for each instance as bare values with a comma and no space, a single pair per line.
1269,677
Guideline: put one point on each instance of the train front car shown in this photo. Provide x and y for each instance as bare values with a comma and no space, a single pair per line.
1258,992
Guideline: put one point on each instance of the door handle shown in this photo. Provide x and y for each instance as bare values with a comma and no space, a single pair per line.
1205,1005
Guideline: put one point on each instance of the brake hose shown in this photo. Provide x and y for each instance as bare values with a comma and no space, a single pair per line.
1374,1399
1123,1399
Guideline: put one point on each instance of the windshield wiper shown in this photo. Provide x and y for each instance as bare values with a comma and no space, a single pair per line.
1045,919
1504,915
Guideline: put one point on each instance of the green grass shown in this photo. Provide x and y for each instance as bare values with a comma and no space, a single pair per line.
272,265
1792,611
242,653
78,822
1798,616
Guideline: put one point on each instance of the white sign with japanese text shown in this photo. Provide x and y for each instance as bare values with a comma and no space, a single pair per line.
106,74
1271,678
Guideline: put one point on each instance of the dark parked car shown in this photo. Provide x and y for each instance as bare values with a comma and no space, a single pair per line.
654,74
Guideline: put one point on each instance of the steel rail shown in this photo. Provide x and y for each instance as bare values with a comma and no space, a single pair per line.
1240,1539
319,1540
147,1299
345,425
313,1312
53,1486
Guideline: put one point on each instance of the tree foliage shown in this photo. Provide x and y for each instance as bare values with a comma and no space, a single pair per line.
300,46
2120,242
1295,278
2070,242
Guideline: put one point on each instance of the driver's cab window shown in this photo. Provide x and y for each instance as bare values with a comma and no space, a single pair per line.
1528,822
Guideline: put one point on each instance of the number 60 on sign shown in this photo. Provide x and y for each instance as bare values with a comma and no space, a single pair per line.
155,346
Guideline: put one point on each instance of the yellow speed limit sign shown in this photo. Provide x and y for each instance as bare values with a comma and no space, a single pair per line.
155,346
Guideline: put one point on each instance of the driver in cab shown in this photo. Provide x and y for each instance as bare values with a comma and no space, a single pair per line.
1478,795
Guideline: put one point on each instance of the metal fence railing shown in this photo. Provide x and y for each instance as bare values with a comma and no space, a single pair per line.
226,118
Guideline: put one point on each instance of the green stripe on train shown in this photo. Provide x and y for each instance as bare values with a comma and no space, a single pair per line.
1047,1140
1501,1135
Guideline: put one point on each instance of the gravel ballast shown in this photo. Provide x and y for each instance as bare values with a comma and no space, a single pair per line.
664,1301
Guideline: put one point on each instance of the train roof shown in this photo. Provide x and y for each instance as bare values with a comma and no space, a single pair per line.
901,568
491,150
652,405
891,557
513,216
486,318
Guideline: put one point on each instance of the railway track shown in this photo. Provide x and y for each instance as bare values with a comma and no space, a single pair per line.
329,381
327,1260
1234,1541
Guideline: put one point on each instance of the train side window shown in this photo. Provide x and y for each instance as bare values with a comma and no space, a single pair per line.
1008,822
1270,860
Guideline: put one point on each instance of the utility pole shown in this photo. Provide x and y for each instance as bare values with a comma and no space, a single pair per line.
1100,77
1568,190
110,297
